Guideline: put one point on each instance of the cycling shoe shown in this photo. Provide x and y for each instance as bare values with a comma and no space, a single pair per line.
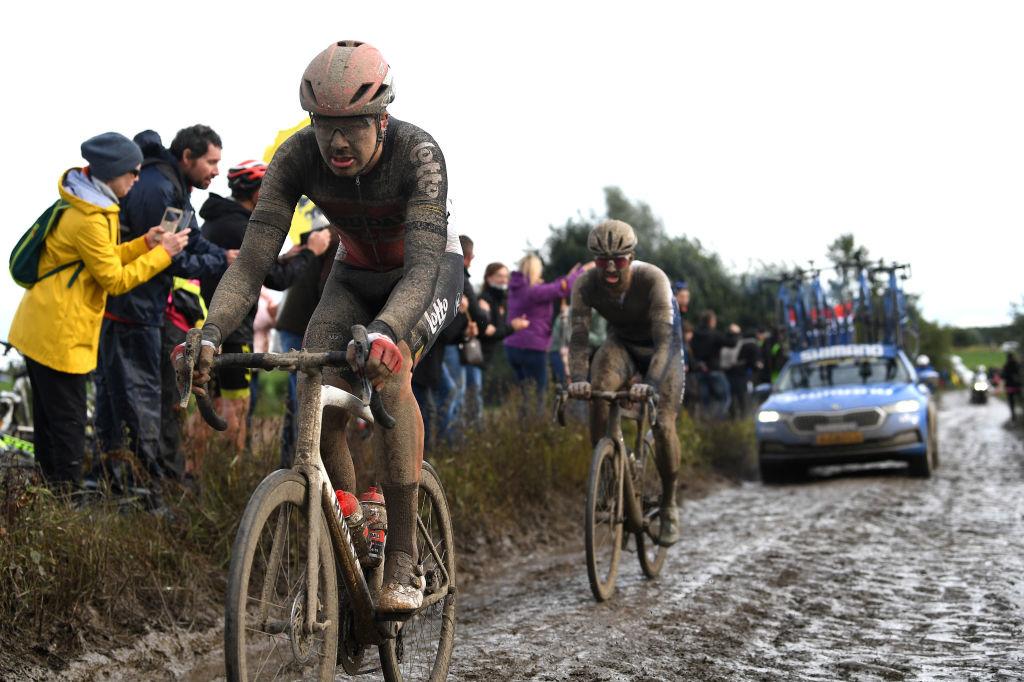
403,584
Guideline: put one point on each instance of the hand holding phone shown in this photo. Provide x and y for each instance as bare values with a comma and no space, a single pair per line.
172,219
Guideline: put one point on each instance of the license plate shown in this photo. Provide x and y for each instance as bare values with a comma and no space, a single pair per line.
839,438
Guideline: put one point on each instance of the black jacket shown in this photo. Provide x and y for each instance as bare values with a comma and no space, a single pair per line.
160,185
225,226
456,330
707,345
498,300
304,294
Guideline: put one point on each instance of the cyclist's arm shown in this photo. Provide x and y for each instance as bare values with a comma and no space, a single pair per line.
662,331
426,227
268,227
579,341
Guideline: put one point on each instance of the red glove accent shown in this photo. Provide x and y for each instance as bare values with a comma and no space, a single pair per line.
177,353
384,351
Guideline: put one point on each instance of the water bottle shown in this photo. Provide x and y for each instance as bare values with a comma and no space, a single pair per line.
356,521
376,516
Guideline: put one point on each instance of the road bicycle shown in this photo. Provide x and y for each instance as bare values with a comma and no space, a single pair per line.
623,493
298,600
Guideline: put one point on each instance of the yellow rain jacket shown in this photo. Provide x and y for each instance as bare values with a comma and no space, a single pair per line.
58,320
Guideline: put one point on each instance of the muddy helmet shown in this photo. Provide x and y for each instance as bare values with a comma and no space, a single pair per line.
612,238
349,78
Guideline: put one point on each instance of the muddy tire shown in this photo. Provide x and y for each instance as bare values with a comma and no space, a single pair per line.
266,588
651,554
423,648
603,520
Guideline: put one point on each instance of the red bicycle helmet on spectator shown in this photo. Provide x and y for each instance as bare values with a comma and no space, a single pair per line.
246,176
349,78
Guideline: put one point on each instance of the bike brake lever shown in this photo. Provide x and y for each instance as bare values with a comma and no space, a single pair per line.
183,372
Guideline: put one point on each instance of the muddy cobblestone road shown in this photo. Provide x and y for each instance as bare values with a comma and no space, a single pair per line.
862,575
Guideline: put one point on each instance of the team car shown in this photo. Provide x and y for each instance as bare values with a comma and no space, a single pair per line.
845,404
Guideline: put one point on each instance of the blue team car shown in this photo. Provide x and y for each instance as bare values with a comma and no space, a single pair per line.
845,404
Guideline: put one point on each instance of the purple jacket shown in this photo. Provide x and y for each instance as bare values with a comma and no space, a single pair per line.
535,302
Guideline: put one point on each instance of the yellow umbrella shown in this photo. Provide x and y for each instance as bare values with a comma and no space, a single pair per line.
302,221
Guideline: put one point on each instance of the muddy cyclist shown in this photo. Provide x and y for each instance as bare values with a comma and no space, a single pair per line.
383,184
636,300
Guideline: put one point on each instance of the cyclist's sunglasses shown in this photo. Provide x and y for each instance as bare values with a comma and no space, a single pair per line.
620,262
348,126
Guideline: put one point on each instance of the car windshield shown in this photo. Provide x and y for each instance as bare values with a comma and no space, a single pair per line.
842,372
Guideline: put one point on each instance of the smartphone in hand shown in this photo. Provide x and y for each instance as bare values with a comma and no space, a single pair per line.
172,219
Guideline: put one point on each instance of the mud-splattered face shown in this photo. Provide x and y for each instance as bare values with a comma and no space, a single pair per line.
615,272
348,143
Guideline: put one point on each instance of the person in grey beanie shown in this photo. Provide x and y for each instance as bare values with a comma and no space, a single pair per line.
57,325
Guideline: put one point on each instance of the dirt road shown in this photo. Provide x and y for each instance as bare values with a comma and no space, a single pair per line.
863,574
866,575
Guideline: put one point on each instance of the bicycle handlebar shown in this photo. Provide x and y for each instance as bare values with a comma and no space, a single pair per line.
292,360
562,397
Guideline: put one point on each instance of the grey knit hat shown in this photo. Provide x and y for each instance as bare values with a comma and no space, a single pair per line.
110,155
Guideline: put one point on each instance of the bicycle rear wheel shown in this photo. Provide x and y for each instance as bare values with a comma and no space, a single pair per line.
266,599
604,519
651,554
423,648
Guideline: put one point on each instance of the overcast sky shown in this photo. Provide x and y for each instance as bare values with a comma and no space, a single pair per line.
763,129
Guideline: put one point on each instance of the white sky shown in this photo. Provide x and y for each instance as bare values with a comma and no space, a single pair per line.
763,129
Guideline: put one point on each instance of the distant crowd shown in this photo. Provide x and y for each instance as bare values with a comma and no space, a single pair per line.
144,281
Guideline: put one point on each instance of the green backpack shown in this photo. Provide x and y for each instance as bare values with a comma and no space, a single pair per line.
25,257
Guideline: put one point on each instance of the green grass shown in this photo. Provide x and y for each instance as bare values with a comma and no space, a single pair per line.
981,355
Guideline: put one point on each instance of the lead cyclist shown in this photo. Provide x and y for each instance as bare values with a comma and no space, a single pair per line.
383,184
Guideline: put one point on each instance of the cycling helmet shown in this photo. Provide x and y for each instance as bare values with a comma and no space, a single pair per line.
612,238
349,78
246,176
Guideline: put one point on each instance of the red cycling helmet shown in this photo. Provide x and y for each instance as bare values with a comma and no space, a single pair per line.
246,176
349,78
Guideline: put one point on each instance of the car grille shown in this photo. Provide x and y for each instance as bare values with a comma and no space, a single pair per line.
864,419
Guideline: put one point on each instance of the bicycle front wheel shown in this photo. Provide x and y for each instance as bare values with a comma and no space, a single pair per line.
604,519
423,648
264,633
651,554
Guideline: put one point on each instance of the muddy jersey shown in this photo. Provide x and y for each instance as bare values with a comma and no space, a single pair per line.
641,319
392,218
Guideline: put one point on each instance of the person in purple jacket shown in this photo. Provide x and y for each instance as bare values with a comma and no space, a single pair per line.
531,296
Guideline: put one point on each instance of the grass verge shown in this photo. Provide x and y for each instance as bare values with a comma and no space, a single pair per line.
93,576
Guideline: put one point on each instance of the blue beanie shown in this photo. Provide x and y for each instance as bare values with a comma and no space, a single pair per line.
110,155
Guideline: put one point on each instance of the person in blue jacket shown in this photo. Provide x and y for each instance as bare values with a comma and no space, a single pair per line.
132,408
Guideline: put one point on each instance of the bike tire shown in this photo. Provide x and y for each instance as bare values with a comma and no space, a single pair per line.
423,648
276,509
603,520
651,554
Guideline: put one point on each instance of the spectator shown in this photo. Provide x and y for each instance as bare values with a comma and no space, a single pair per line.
57,324
1012,380
691,394
293,316
531,298
135,387
226,221
707,346
744,362
682,292
466,325
494,301
262,326
558,352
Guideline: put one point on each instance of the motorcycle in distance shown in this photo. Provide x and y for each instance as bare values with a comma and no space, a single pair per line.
980,386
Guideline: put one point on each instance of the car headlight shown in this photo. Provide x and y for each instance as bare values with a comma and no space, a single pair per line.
768,416
905,406
980,386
